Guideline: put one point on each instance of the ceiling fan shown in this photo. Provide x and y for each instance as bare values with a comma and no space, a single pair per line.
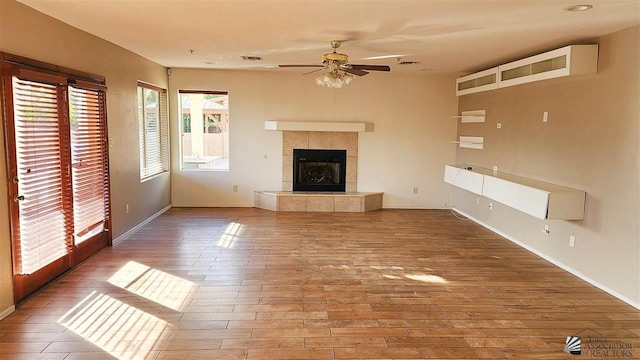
339,71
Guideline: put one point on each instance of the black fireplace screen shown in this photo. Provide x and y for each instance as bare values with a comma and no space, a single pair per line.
319,170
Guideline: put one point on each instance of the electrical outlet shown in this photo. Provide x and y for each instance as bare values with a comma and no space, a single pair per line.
572,241
546,230
499,125
478,201
415,190
126,209
235,188
490,206
495,168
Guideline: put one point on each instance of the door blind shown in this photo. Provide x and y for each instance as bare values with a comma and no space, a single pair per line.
45,234
87,122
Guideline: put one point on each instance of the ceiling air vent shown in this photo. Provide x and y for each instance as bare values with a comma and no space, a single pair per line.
403,62
252,58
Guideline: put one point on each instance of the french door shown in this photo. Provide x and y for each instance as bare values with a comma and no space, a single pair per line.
57,167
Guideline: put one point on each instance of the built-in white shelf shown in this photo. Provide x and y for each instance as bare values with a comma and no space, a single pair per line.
472,116
470,142
318,126
536,198
565,61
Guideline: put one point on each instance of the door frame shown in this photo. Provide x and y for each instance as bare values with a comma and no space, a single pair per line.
24,285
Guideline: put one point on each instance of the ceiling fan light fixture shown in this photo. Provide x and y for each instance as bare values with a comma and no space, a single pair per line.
335,79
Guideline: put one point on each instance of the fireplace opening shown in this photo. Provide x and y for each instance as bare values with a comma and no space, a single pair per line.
319,170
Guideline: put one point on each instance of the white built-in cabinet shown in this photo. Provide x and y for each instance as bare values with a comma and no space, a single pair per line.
536,198
565,61
464,179
476,82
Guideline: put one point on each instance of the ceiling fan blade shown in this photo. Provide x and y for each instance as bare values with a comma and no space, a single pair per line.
357,72
312,71
288,66
371,67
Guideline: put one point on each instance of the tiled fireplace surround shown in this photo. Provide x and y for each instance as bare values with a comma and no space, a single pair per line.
350,201
322,140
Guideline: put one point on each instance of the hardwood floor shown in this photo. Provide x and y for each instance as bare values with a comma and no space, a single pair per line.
254,284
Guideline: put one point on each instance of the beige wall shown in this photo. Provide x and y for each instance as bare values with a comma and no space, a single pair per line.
591,143
28,33
408,148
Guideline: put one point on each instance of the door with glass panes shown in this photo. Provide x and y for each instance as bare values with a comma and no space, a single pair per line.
57,168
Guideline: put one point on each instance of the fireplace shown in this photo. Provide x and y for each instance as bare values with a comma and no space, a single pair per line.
319,170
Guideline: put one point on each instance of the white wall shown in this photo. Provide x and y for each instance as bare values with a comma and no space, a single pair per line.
590,143
408,148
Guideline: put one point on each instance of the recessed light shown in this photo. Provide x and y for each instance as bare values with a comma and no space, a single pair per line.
580,7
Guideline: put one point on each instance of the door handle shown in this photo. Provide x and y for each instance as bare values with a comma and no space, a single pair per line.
17,197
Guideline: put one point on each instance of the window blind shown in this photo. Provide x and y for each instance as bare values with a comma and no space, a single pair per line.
45,234
152,120
87,119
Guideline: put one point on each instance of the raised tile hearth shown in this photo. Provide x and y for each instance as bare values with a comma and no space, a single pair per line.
318,201
319,136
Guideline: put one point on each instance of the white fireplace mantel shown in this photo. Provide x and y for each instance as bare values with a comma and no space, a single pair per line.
318,126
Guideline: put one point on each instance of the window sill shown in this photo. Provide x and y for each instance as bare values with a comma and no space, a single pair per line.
166,172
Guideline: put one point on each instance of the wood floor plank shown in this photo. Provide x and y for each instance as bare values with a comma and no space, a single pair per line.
243,283
285,354
377,353
287,333
345,341
23,347
464,353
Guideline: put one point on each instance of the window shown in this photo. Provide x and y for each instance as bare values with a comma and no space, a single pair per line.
152,122
204,130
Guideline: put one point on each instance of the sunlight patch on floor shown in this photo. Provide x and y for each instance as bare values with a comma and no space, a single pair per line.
230,236
426,278
399,273
111,324
158,286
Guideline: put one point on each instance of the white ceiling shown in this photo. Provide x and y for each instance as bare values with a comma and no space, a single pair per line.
445,36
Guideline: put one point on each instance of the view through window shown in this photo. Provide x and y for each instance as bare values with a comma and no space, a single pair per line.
204,130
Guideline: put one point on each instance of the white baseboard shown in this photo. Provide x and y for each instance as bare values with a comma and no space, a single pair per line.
551,260
117,240
8,311
401,207
208,205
